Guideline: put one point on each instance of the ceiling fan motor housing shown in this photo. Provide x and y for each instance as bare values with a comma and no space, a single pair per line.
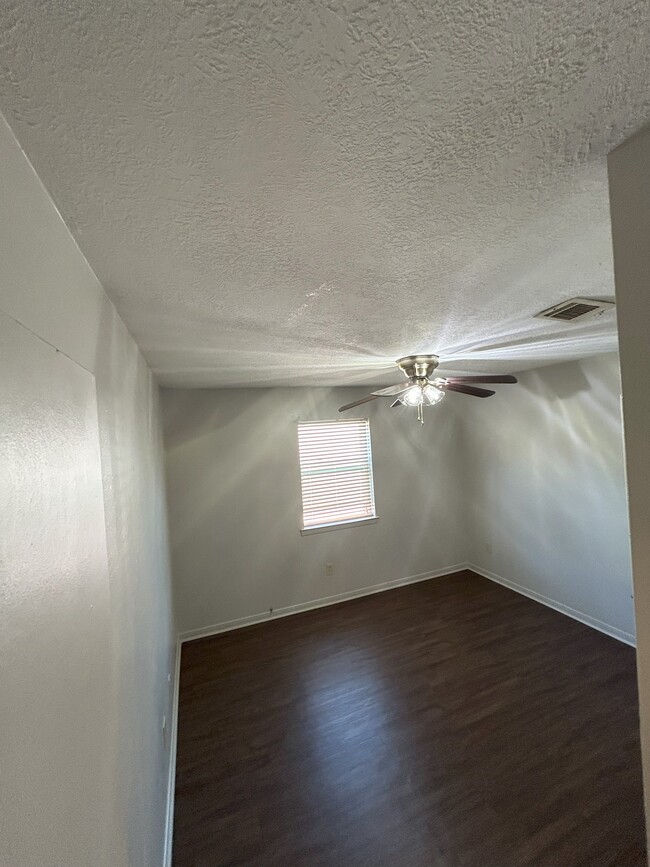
418,366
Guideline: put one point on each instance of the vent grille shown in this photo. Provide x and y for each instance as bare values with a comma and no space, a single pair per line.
575,308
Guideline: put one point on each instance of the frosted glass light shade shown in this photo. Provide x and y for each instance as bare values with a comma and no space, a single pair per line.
422,395
412,397
432,395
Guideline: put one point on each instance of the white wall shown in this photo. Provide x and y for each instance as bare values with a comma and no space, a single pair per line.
234,500
629,181
545,490
86,632
529,487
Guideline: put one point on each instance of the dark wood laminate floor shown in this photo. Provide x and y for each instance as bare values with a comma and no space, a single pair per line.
451,723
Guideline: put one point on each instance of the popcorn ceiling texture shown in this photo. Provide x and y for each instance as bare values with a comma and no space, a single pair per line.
298,193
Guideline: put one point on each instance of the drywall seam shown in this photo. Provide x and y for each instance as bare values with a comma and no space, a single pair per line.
173,743
48,342
59,215
612,631
227,626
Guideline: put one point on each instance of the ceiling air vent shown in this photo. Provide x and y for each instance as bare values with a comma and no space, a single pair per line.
575,308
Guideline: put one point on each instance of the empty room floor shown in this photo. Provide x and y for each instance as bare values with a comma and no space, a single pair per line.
451,723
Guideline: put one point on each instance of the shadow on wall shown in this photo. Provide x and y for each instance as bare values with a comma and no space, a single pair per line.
235,505
557,382
547,489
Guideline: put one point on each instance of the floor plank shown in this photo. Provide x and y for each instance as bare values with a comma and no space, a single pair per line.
452,723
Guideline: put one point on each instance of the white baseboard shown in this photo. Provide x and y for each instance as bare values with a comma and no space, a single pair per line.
229,625
226,626
612,631
171,782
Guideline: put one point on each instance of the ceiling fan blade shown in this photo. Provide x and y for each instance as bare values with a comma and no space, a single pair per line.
358,402
500,377
468,389
393,389
397,402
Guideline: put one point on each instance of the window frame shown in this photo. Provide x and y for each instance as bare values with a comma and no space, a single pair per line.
345,523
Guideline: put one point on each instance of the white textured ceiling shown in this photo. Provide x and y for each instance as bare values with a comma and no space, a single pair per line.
298,193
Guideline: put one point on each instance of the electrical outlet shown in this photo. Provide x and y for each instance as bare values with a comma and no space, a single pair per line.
329,569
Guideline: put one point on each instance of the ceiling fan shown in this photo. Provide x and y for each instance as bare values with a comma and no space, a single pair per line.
421,390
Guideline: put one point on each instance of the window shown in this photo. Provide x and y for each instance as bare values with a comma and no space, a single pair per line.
335,473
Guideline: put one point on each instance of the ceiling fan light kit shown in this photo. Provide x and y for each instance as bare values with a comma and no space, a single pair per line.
423,391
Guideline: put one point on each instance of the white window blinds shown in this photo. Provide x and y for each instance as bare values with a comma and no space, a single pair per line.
335,472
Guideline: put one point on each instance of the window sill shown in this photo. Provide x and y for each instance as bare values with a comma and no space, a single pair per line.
341,525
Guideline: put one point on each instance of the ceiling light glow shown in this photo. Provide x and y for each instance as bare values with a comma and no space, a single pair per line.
422,394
